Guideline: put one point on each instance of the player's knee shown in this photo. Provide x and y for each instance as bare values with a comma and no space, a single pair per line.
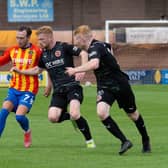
75,115
103,110
53,119
134,116
8,105
102,114
53,115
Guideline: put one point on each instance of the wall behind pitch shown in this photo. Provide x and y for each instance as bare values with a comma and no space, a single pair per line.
71,13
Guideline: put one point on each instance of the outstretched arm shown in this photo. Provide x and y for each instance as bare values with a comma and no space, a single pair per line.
90,65
5,58
32,71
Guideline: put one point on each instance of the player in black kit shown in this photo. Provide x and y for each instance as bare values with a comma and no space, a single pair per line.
55,58
112,84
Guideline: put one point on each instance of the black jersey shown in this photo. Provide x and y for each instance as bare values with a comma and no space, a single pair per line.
109,73
56,60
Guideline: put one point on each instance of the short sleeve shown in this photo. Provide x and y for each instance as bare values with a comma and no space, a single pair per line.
94,52
72,50
41,63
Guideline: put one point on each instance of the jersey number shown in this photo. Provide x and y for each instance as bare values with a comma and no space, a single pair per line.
28,98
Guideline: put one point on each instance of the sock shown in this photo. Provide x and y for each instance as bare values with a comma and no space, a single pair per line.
23,121
64,116
113,128
141,128
3,116
84,128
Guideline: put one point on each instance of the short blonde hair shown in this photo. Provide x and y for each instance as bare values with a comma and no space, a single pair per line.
84,30
45,30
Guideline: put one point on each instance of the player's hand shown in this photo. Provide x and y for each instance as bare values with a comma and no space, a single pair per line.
47,91
14,69
70,71
79,76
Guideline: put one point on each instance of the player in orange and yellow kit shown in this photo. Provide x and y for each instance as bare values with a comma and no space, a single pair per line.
23,88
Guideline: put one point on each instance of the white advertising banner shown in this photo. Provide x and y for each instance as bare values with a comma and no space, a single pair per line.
5,77
151,35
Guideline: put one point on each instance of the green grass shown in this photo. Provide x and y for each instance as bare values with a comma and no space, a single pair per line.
59,146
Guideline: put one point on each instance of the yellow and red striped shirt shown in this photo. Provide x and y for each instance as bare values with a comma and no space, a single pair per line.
23,59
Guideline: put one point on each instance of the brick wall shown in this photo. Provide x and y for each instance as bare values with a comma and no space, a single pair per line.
71,13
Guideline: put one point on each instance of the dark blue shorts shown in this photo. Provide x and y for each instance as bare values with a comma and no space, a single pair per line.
20,98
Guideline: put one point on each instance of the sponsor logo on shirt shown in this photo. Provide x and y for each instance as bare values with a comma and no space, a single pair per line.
54,63
22,61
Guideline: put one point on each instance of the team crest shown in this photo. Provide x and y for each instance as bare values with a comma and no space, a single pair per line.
30,52
57,53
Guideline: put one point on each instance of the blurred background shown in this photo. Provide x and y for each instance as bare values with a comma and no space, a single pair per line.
141,51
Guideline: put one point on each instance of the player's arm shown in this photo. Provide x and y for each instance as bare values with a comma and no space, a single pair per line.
48,88
5,58
93,63
84,57
90,65
32,71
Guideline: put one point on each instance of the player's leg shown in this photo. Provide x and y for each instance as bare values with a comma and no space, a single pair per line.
24,123
57,115
21,117
75,97
64,115
104,100
26,100
4,112
57,112
129,105
112,127
8,105
81,122
140,124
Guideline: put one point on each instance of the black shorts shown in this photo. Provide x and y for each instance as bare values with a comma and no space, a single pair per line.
124,97
62,98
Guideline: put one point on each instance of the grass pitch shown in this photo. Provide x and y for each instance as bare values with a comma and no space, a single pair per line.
59,146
